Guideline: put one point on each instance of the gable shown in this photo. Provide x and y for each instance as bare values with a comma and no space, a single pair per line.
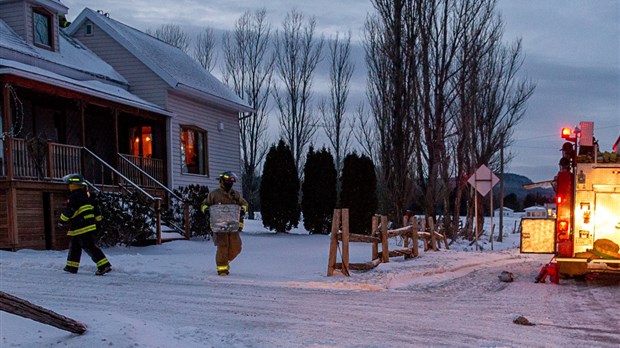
169,63
142,81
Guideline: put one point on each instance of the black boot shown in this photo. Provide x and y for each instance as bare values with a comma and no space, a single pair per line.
104,269
70,269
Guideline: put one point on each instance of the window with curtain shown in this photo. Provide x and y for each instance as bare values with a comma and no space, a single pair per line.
194,156
42,28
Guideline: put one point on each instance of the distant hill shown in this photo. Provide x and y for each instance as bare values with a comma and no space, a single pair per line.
513,183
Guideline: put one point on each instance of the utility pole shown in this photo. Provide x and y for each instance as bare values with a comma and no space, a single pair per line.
500,237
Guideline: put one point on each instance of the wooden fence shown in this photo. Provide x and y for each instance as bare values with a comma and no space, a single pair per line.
411,233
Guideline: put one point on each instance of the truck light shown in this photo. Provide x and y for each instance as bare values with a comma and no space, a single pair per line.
562,226
570,134
566,132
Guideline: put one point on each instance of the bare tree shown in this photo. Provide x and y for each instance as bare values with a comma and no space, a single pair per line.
248,70
465,97
366,133
333,111
205,52
389,56
173,35
298,53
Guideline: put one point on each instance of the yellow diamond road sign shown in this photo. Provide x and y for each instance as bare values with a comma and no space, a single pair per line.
483,180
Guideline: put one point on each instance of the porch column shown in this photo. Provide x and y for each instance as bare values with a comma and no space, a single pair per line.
82,107
11,193
6,125
116,145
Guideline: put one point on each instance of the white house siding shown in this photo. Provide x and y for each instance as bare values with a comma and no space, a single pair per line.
143,82
14,15
223,146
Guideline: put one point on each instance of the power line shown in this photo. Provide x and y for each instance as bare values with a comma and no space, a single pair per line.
555,135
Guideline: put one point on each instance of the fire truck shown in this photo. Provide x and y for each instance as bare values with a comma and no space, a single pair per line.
584,232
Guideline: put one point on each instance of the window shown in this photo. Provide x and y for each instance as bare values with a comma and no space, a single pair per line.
141,143
89,29
194,156
42,28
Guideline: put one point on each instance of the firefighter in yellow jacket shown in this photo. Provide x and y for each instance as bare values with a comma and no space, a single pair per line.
82,214
229,243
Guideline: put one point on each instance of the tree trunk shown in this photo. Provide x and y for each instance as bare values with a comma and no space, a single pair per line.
23,308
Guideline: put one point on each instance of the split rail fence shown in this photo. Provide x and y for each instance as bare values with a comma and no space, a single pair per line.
410,233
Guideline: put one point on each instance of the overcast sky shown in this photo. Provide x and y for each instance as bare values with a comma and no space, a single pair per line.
572,53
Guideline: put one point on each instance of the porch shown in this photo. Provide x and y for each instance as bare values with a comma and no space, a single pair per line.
40,160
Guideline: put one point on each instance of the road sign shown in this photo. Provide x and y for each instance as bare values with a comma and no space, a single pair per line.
483,180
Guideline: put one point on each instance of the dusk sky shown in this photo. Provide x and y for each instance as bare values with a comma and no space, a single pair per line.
571,47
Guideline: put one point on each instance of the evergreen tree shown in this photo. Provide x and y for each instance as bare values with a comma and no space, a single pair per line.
279,190
318,191
359,192
512,201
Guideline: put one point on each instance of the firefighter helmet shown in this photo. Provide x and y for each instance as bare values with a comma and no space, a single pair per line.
74,179
567,147
228,177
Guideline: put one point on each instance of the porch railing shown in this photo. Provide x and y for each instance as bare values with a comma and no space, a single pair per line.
34,159
141,165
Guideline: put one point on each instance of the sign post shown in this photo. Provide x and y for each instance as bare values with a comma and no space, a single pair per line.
483,181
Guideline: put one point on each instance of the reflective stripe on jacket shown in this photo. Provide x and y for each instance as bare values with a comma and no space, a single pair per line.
81,212
220,196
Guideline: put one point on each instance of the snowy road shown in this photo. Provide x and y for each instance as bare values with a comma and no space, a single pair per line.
451,305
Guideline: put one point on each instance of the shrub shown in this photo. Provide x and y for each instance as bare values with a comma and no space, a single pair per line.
279,190
318,191
359,192
126,218
198,222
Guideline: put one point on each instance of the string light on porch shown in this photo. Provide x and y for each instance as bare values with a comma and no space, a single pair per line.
18,108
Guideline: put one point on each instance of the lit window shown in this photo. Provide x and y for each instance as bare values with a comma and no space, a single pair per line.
42,28
194,157
141,143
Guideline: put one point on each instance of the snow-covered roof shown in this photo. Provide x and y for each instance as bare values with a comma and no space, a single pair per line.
71,55
171,64
535,208
91,87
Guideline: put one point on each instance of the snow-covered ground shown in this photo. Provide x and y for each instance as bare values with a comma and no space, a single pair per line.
278,295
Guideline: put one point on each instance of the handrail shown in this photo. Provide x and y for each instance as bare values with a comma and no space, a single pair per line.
185,202
121,175
143,172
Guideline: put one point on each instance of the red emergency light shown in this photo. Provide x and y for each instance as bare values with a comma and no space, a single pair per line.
562,226
566,132
570,134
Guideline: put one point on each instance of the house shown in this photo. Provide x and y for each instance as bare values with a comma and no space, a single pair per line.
536,212
106,100
506,212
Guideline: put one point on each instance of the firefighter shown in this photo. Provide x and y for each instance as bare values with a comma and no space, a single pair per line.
81,213
228,243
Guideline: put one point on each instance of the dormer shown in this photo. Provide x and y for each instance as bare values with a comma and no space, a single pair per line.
35,21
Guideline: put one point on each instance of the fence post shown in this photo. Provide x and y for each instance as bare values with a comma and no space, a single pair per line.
385,250
375,233
431,229
186,219
158,219
406,236
333,243
414,237
345,241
